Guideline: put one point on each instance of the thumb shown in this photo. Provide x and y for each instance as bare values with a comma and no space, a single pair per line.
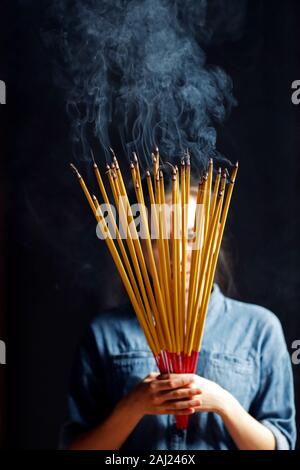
151,376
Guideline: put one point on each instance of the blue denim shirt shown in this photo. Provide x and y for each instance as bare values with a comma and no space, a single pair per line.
243,350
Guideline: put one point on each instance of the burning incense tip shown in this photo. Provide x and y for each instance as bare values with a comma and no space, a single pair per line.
173,167
93,158
148,174
234,173
95,200
113,153
74,169
188,160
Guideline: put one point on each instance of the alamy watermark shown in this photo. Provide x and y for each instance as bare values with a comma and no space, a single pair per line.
160,221
2,344
296,354
2,92
2,353
296,93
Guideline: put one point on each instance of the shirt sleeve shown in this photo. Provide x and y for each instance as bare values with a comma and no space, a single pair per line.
274,404
86,394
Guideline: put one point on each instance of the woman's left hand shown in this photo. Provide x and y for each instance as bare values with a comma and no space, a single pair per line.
213,398
246,431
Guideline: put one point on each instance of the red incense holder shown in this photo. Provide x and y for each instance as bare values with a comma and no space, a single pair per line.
182,363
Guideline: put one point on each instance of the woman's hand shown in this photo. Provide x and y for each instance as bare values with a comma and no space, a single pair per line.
175,394
213,398
247,433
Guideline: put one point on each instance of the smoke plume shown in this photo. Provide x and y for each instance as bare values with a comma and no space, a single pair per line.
136,76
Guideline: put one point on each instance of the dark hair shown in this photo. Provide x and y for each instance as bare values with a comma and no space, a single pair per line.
224,272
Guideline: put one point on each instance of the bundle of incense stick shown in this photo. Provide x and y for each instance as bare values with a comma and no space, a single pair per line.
170,310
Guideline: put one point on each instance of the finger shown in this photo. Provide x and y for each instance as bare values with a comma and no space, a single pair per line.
179,394
169,376
183,404
187,411
152,376
177,381
164,376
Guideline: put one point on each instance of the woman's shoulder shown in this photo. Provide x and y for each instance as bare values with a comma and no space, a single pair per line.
257,318
254,311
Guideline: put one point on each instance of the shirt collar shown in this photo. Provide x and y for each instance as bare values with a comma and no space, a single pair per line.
216,301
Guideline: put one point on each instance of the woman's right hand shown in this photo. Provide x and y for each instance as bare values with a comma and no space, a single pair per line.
156,394
159,395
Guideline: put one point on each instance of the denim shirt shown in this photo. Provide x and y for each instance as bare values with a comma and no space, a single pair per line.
243,350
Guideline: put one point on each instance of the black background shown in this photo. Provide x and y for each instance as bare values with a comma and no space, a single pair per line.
58,275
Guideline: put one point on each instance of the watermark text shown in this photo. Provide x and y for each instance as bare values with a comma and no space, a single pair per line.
2,353
2,92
